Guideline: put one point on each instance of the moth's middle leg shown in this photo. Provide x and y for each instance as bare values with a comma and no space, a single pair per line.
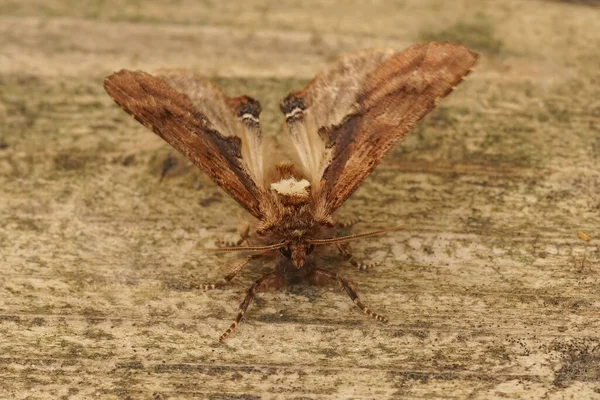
270,281
320,277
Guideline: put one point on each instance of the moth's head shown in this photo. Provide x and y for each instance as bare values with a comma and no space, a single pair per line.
297,252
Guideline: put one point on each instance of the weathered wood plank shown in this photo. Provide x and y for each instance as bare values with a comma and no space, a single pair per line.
489,292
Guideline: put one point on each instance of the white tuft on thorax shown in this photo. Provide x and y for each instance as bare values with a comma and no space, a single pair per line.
291,187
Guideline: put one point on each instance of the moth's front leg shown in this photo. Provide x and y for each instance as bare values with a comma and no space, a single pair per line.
244,236
348,223
321,277
232,274
267,282
346,253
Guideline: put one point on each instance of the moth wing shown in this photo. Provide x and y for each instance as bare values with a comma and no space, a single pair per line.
221,135
324,102
367,102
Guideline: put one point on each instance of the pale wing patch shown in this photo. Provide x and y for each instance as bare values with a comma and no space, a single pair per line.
333,93
325,102
229,116
252,147
310,148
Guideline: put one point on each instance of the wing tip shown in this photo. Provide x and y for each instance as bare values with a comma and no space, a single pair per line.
114,78
123,74
457,48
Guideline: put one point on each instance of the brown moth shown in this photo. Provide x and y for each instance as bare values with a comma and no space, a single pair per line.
340,126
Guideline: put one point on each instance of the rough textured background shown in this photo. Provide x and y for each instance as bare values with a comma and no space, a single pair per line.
489,292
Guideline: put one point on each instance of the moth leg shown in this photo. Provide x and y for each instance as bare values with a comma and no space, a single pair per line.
320,277
230,243
244,236
232,274
266,282
343,224
346,253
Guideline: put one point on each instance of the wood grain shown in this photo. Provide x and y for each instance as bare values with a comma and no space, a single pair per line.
489,291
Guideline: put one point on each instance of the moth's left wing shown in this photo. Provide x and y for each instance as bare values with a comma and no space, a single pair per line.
354,111
221,135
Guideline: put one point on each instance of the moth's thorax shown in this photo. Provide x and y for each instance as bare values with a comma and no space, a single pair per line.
292,187
293,223
289,207
289,222
289,186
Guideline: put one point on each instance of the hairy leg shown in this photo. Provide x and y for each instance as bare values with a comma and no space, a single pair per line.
348,223
244,236
232,274
266,282
346,253
231,243
321,277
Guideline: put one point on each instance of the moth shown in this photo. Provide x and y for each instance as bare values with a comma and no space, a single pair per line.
338,129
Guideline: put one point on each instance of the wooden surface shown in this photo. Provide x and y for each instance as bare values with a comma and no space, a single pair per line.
489,292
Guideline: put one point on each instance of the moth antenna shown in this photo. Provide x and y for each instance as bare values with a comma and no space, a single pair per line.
349,238
233,249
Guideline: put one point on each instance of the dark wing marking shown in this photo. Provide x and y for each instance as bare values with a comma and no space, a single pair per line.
386,98
197,119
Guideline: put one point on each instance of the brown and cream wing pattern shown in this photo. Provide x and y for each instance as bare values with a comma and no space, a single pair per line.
389,93
324,102
221,135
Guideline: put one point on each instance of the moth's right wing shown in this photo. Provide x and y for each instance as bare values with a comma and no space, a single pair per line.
353,112
221,135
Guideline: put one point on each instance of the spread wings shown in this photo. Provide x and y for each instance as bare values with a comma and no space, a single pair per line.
352,113
342,124
221,135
